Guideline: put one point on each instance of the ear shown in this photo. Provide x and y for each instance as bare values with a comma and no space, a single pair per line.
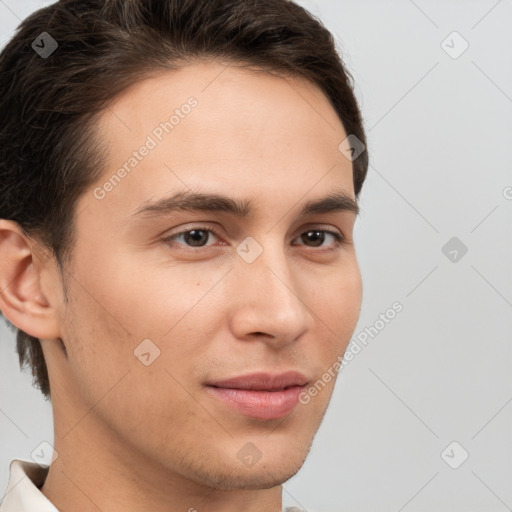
22,299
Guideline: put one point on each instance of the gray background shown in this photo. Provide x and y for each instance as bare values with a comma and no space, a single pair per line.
440,137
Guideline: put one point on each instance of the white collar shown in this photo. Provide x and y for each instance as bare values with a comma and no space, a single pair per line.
22,493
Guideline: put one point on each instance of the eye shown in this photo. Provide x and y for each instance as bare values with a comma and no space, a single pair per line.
199,236
196,237
318,236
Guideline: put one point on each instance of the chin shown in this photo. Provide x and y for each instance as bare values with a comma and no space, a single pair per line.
263,475
271,473
257,479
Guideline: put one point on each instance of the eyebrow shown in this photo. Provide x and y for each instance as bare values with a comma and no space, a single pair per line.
338,201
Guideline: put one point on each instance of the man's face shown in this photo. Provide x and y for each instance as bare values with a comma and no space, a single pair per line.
209,305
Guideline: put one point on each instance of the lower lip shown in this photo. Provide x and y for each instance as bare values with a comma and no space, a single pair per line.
262,405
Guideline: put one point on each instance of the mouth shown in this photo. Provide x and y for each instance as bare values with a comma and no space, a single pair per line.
260,396
253,388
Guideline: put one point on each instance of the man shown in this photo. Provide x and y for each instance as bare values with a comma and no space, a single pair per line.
179,184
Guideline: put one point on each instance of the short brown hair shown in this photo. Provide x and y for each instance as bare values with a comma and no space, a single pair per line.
48,104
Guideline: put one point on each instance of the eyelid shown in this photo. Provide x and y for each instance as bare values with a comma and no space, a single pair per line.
194,226
207,226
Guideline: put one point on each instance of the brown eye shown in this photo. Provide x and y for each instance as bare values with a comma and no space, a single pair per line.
317,237
196,237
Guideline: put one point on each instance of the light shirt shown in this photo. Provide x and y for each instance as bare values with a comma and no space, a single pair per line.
23,494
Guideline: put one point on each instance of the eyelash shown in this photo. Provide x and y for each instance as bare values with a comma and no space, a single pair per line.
339,238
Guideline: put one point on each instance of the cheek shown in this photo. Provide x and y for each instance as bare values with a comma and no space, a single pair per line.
108,379
139,320
135,301
154,300
97,344
338,307
349,300
338,303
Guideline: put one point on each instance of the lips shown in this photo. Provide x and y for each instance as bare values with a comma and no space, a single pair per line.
263,381
260,396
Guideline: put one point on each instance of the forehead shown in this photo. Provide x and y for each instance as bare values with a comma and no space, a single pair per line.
230,101
220,128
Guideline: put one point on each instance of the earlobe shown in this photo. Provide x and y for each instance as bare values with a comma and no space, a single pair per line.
22,300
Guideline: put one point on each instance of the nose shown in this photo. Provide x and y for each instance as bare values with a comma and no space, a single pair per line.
268,304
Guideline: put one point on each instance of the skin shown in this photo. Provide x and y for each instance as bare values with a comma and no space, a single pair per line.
135,437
